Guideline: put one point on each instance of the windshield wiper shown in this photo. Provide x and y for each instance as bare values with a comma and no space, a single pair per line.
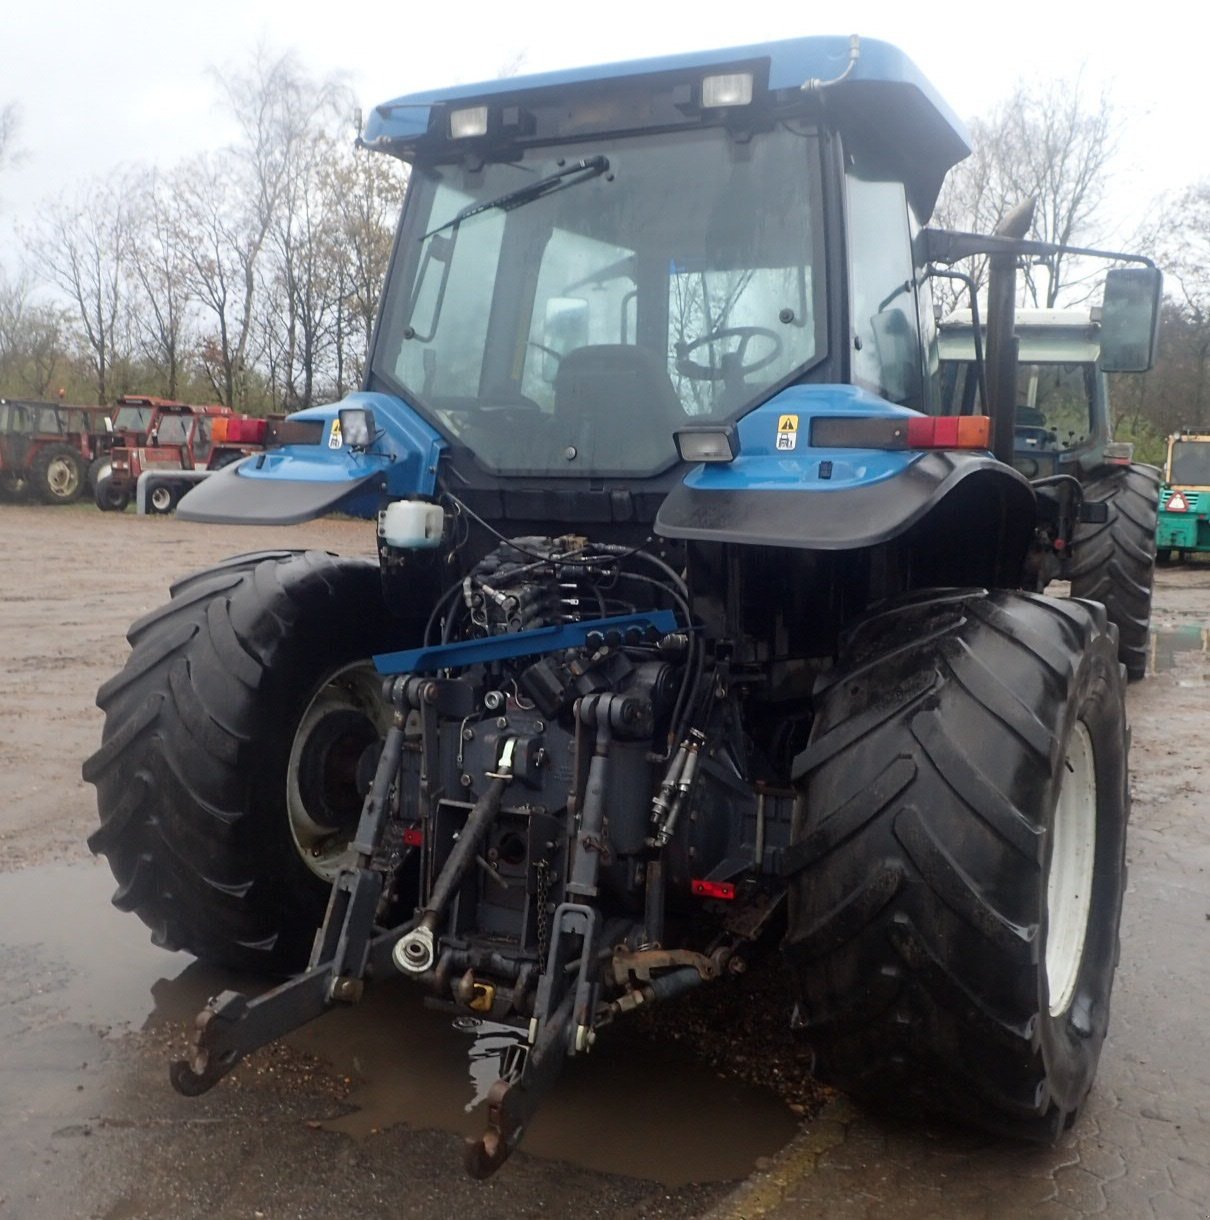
569,175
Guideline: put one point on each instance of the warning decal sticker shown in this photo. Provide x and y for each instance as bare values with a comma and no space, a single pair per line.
787,432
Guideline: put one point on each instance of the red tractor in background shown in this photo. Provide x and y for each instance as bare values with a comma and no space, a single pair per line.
50,448
174,445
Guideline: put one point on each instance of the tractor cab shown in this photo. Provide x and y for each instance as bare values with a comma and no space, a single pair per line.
600,274
1061,416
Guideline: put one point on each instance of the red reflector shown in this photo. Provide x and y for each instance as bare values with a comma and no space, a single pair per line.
413,836
1177,503
713,889
945,432
920,432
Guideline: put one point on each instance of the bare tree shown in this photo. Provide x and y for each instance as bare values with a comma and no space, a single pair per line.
235,200
367,192
9,121
160,268
33,340
81,247
1050,143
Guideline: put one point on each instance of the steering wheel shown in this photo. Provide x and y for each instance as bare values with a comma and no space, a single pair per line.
732,365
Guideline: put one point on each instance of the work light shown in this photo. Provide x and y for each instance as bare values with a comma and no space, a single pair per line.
469,122
357,427
727,89
706,444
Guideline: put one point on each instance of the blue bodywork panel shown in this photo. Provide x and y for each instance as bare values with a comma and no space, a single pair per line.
792,62
518,643
765,464
406,451
885,93
294,483
779,490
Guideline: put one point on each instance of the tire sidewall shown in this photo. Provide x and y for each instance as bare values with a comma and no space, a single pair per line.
332,634
1071,1042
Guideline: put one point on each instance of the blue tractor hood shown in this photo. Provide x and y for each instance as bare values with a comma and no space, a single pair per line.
299,480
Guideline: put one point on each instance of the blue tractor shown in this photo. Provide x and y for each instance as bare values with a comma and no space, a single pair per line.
697,630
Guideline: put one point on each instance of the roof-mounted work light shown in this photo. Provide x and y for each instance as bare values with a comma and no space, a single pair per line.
727,89
468,122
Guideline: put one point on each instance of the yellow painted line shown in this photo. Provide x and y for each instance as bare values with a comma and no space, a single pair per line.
768,1187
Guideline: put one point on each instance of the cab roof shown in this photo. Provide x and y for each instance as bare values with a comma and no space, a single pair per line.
884,98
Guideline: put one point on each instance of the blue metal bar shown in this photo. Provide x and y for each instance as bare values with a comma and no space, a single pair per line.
517,643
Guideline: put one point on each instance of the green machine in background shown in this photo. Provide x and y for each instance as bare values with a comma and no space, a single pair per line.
1184,518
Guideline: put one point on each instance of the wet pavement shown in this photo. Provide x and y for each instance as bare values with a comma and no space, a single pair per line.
93,1012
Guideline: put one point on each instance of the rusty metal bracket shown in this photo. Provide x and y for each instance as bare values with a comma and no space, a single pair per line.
512,1103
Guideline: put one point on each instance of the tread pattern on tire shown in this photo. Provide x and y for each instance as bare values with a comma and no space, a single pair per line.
1114,561
190,754
915,924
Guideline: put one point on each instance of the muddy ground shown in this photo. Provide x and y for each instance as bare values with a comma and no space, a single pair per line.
363,1112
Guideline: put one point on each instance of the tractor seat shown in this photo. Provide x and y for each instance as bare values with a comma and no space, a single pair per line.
615,399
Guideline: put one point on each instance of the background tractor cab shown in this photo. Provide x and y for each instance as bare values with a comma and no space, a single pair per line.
1062,429
1061,416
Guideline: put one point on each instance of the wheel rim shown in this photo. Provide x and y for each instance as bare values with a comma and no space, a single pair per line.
161,499
62,477
1069,881
345,720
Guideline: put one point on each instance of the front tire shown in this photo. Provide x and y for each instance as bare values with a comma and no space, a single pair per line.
107,494
226,798
959,850
1114,561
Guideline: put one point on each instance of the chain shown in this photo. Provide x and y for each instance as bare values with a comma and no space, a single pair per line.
542,868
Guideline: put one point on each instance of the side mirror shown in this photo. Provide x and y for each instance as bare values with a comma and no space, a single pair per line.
1130,319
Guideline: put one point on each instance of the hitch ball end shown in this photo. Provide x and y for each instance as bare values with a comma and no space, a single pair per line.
415,952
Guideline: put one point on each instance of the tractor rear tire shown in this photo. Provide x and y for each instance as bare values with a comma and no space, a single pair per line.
58,475
1114,561
958,859
227,778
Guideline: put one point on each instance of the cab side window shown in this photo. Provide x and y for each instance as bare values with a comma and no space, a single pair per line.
882,292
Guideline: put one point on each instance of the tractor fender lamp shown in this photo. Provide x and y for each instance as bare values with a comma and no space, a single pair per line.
357,427
705,443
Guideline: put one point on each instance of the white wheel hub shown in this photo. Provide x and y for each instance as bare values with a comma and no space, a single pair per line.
1069,880
321,799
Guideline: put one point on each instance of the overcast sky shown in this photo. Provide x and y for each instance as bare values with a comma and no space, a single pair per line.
101,85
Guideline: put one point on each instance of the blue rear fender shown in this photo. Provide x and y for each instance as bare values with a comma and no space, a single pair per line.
781,490
298,481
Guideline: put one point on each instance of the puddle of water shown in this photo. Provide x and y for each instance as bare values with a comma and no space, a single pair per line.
81,954
1185,648
633,1106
